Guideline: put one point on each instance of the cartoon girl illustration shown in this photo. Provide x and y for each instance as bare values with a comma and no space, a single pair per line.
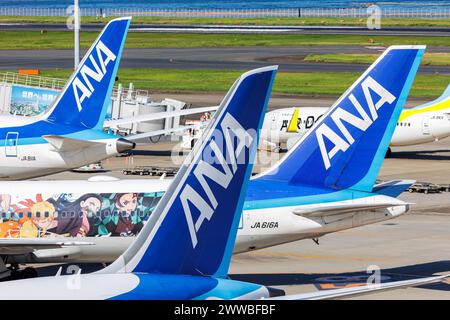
38,219
127,222
74,216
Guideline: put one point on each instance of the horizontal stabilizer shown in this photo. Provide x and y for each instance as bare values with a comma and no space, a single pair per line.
63,144
343,208
157,116
393,188
28,245
156,133
361,290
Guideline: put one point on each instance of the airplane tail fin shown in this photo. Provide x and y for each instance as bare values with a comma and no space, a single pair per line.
443,102
293,125
392,188
440,104
193,229
84,100
346,147
446,94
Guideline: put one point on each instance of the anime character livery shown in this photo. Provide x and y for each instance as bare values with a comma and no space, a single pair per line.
75,215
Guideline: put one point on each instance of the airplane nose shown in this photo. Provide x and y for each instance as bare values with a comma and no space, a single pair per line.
123,145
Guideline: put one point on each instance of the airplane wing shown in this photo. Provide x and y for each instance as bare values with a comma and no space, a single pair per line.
157,116
28,245
62,144
362,290
138,136
343,208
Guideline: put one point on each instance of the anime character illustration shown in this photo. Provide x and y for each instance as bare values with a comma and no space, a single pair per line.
74,216
125,220
37,217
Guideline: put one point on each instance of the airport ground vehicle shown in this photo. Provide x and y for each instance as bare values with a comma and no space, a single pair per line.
425,187
150,171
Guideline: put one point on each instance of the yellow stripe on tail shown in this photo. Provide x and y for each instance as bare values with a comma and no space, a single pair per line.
293,126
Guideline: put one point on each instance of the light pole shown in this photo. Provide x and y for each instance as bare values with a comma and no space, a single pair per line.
76,14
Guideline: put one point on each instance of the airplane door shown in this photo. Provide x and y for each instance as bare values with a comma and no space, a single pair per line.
426,126
273,122
11,141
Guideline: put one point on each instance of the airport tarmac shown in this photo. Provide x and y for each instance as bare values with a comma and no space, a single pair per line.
414,245
289,58
210,28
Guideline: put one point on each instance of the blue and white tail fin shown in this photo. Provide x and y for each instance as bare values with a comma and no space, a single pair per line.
193,229
346,147
85,98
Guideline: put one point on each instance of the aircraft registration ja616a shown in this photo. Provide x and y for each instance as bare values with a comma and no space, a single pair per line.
324,184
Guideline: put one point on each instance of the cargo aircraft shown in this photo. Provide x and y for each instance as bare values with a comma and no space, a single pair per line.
324,184
184,250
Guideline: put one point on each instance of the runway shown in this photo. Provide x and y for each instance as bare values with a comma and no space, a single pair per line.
290,59
209,28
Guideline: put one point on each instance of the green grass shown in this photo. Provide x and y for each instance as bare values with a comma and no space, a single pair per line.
316,84
64,40
242,21
432,58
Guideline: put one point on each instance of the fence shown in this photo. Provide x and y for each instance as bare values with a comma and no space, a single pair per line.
58,84
432,12
32,81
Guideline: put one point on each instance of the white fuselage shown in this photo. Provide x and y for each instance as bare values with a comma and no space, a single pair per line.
258,228
24,158
422,128
415,129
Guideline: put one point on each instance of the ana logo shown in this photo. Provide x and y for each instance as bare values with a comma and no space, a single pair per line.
232,130
84,85
343,140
